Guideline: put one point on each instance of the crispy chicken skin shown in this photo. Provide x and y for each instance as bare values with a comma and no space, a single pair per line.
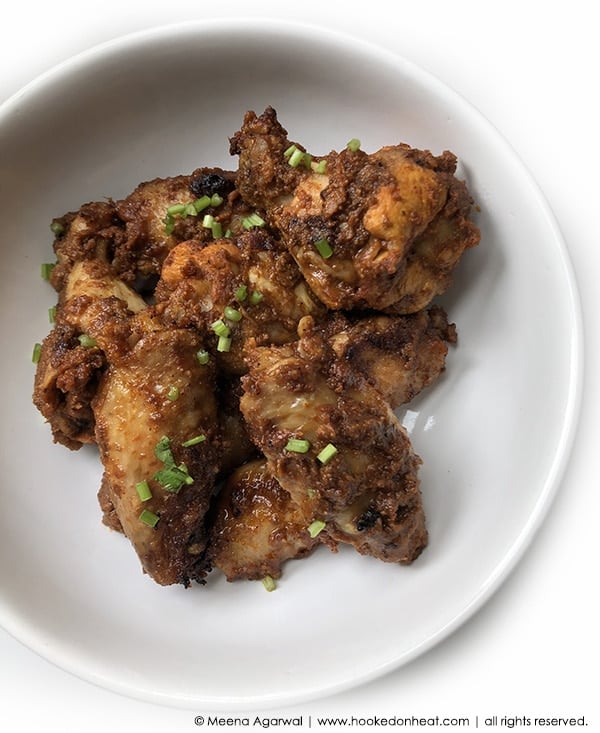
396,220
368,493
200,282
135,410
256,526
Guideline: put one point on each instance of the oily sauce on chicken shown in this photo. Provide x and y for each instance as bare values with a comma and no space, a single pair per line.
236,342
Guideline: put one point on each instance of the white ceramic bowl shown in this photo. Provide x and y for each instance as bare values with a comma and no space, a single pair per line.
494,433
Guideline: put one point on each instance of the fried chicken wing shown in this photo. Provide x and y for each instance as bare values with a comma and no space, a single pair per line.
92,306
256,526
249,285
353,221
298,400
156,426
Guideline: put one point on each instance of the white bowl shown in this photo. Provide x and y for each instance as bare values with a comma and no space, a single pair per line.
494,433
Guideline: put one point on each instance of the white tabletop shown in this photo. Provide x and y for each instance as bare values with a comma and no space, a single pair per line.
531,68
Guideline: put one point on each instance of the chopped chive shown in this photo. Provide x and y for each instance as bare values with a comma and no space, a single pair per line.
241,293
327,453
200,204
208,220
324,248
190,210
143,490
176,209
173,393
203,356
269,583
37,353
52,314
227,234
311,493
297,445
353,144
172,478
169,223
216,200
321,166
307,160
57,228
253,220
162,450
314,528
88,342
256,297
296,158
232,314
194,441
46,269
217,229
220,328
290,151
224,344
149,518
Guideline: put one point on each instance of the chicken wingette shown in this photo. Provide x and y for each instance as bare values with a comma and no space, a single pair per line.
157,430
373,230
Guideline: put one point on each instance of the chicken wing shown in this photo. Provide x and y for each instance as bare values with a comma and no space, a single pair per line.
93,305
337,447
248,287
256,526
156,427
367,231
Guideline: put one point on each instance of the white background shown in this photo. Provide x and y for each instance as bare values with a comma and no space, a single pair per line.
532,69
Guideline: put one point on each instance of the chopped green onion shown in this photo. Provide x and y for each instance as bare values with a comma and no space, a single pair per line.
88,342
173,393
224,344
47,268
190,210
162,451
216,200
297,445
172,478
241,293
269,583
143,490
227,234
232,314
327,453
292,149
311,493
321,166
57,228
203,356
253,220
52,314
324,248
202,203
220,328
37,353
217,229
194,441
307,160
314,528
176,209
208,220
149,518
296,158
353,144
169,223
256,297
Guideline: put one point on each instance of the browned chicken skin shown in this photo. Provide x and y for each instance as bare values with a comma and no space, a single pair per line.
367,231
